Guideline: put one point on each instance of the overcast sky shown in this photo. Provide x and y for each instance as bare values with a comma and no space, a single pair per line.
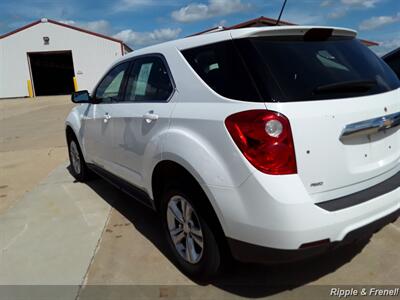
143,22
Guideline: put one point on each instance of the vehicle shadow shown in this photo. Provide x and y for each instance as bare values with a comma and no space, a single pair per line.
256,281
246,280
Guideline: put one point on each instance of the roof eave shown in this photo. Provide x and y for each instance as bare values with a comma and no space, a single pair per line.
64,25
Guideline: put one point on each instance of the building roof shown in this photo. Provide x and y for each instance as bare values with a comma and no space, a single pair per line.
44,20
264,21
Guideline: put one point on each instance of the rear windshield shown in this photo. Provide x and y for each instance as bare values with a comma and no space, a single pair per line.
221,66
291,69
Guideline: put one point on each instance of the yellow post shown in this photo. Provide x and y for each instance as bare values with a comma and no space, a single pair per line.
30,90
75,84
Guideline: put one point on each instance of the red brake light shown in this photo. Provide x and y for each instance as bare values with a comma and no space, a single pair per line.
265,139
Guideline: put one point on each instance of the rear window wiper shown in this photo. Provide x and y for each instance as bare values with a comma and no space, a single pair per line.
354,86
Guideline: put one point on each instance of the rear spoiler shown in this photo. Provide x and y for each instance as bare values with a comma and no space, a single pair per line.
292,31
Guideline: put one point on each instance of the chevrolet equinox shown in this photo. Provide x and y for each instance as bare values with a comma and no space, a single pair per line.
261,144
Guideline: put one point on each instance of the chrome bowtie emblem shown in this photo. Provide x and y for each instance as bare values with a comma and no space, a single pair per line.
371,126
387,123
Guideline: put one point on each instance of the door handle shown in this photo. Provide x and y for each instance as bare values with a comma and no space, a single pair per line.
150,117
106,117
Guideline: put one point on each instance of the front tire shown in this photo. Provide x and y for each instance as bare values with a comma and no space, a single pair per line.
78,166
189,236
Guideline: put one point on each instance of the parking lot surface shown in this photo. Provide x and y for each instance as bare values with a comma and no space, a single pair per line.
57,231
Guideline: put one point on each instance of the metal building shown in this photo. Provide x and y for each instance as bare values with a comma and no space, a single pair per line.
47,57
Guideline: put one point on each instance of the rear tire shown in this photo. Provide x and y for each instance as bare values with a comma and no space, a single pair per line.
78,165
191,241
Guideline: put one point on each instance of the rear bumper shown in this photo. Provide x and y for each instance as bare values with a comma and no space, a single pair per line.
277,212
386,186
247,252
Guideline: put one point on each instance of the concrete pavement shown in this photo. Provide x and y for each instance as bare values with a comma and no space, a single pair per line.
70,233
50,236
32,143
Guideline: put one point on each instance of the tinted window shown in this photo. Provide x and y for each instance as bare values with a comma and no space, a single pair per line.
110,88
393,60
149,81
222,68
298,70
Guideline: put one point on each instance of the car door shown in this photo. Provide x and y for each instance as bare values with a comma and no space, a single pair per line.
98,131
141,116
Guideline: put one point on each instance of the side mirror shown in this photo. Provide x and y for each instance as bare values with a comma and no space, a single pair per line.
81,97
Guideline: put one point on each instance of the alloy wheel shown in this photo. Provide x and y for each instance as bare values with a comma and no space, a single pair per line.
185,229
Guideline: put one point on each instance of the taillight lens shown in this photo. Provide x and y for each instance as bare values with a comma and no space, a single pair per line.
265,139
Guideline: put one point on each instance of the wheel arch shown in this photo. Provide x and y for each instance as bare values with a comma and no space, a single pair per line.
168,170
73,124
69,132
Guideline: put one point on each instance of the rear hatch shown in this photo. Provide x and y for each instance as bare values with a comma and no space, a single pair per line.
326,158
342,101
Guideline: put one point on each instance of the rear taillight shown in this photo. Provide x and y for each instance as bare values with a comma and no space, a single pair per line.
265,139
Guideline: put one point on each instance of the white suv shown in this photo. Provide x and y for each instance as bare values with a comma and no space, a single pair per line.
271,144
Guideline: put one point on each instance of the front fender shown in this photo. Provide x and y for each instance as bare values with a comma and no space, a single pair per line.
74,121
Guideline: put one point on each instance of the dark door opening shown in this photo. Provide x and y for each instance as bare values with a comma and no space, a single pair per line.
52,73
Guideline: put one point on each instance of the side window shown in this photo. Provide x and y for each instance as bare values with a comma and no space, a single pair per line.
149,81
110,88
